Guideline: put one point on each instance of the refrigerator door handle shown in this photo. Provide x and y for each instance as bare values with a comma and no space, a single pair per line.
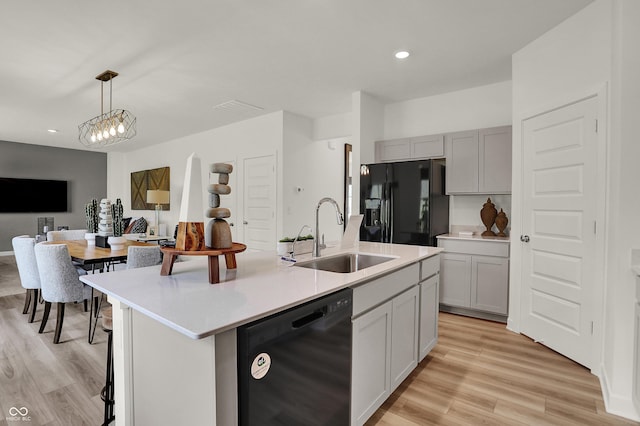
390,214
383,220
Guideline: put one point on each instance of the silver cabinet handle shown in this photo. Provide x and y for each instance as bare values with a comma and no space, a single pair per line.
524,238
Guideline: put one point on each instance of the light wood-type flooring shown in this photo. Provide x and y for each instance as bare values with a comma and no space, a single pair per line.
479,373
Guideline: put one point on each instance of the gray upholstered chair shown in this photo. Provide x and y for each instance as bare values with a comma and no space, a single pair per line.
142,256
23,249
74,234
67,234
60,282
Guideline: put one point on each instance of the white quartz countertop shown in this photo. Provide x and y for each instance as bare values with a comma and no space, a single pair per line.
457,236
261,285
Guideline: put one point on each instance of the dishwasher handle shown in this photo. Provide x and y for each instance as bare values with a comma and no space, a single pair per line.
307,319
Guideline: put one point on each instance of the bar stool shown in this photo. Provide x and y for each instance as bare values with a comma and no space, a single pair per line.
108,390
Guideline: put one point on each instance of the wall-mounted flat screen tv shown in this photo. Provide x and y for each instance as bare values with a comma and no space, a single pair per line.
32,195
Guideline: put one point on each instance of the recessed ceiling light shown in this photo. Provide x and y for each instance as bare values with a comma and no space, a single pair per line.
52,130
403,54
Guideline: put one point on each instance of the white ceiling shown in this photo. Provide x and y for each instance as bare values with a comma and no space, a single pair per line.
178,59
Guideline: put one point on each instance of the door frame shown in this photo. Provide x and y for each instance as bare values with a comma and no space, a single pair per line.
601,93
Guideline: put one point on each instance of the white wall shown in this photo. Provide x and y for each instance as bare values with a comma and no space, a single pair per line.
332,127
567,63
251,138
313,169
475,108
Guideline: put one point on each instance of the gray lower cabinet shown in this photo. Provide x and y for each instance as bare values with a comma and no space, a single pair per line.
370,385
455,270
429,307
475,282
394,326
404,335
385,351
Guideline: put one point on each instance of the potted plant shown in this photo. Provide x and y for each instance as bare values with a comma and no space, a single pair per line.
91,213
304,244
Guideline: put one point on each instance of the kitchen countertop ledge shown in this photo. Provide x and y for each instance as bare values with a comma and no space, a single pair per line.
478,237
262,284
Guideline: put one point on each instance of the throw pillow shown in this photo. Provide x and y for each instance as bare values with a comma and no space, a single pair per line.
139,226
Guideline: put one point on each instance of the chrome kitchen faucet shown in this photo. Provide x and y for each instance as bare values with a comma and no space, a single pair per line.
316,244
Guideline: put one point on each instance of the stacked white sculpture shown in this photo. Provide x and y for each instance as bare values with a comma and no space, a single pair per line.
105,226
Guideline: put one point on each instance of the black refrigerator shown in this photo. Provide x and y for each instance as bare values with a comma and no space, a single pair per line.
404,203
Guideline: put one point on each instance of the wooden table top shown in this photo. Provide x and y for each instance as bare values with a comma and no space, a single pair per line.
80,251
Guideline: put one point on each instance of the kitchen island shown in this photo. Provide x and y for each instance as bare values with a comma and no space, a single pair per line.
174,336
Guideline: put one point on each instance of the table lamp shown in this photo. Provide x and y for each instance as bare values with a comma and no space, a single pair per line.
157,197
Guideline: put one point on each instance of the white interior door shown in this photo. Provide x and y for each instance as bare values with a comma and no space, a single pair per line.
230,201
260,202
559,221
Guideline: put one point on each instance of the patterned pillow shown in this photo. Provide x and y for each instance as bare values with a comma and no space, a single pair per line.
139,226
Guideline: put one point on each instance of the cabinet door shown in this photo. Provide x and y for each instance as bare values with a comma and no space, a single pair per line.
455,279
393,150
428,316
495,160
427,147
371,362
490,284
462,162
404,335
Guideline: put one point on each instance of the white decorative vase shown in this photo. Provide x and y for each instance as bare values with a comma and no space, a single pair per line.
91,238
117,243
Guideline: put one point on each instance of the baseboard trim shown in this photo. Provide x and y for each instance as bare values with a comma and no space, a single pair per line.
6,253
616,404
473,313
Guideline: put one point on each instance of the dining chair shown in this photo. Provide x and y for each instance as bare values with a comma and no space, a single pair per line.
23,249
66,234
143,256
60,282
74,234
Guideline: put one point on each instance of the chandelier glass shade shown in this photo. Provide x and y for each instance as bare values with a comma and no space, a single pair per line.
108,128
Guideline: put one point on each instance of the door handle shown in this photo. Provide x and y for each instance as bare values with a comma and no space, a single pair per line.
524,238
244,222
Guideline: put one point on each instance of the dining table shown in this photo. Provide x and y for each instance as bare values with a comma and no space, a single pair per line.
84,254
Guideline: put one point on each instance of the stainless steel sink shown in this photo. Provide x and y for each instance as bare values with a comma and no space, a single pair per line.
344,263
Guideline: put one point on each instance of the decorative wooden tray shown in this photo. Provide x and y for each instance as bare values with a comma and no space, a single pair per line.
171,254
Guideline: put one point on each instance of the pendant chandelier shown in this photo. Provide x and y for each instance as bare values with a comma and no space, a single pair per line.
108,128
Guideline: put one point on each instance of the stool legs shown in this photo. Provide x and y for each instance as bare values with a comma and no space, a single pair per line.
108,390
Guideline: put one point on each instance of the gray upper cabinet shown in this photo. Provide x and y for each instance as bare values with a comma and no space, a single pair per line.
416,148
462,162
479,161
494,147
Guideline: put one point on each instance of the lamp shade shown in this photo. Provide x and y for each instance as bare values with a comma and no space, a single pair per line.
157,196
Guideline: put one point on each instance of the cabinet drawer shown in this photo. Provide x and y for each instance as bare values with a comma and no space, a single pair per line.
484,248
373,293
430,267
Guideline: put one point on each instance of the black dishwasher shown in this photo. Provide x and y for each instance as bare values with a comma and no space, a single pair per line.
294,367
